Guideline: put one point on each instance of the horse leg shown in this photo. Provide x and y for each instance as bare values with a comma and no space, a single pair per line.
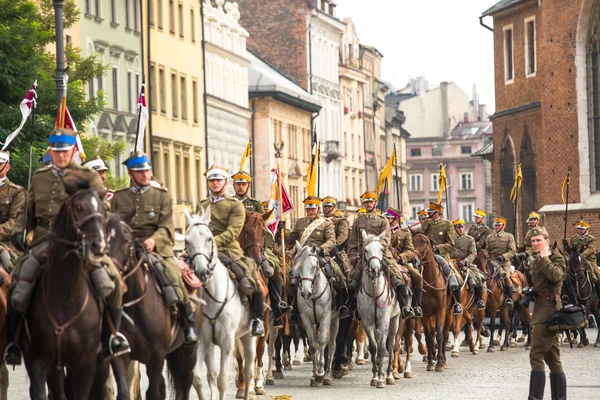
259,381
201,354
382,349
340,348
369,331
156,382
397,364
422,347
37,377
287,353
249,345
120,374
297,354
134,377
56,385
350,344
409,327
507,322
83,378
491,348
332,346
429,340
584,339
391,342
279,347
458,320
240,381
4,381
361,338
273,336
321,339
527,327
441,330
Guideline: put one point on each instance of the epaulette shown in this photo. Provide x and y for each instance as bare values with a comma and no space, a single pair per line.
232,198
14,185
45,168
161,188
121,190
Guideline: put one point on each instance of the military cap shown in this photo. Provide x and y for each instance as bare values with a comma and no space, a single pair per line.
540,231
138,161
423,213
96,164
312,202
393,213
533,215
4,156
241,177
458,222
265,204
369,195
435,207
329,201
361,210
499,221
62,139
582,224
216,172
479,213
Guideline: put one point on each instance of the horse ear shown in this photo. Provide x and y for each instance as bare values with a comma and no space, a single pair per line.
102,194
267,215
188,217
364,234
554,245
298,246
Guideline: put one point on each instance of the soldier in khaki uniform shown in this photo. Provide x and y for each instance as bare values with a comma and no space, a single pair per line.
465,252
46,197
441,234
342,228
374,224
533,222
12,206
479,230
320,231
403,251
586,245
241,184
501,246
149,212
98,165
548,272
227,218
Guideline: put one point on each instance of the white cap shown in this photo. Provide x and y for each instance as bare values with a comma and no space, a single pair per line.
96,164
216,172
4,156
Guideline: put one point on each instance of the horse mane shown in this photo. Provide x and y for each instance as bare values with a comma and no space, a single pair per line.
253,218
370,239
302,256
116,234
75,181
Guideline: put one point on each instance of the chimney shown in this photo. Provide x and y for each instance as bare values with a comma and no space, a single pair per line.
483,112
445,116
466,117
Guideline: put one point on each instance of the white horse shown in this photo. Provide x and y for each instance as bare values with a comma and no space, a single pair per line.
225,317
314,301
378,309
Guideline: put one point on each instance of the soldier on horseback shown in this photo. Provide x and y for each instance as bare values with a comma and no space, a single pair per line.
12,205
242,181
374,224
46,197
464,254
149,212
441,234
501,246
342,228
404,253
533,222
227,221
319,231
586,245
479,230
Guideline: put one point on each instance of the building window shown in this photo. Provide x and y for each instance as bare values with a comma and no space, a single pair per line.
172,16
127,14
180,16
435,185
415,152
166,170
466,211
437,151
162,81
151,13
414,210
159,14
137,17
184,106
174,95
88,6
152,87
530,46
415,182
186,173
466,181
465,149
192,26
508,54
195,100
179,184
129,91
113,11
115,87
351,99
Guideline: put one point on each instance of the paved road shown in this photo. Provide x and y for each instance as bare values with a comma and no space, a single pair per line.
488,375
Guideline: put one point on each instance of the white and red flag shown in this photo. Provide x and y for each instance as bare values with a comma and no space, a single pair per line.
285,205
64,120
143,117
26,107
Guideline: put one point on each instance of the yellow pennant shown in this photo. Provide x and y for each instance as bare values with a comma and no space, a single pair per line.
312,174
386,173
247,153
517,185
442,183
565,184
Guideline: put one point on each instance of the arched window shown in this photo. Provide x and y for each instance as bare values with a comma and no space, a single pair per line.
593,87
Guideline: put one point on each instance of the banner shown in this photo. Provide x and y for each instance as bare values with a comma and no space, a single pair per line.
274,202
143,117
247,154
517,185
386,173
442,183
26,106
64,120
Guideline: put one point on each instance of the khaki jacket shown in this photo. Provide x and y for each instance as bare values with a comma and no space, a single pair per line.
501,244
479,233
587,247
323,236
252,204
402,246
227,218
441,233
342,228
545,272
465,249
372,224
12,206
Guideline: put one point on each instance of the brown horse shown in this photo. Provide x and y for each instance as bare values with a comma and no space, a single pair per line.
433,303
153,332
63,320
5,281
405,332
252,240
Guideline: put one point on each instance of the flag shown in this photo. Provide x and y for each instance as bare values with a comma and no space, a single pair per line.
386,173
247,153
442,183
565,184
274,203
143,117
312,173
26,107
64,120
517,185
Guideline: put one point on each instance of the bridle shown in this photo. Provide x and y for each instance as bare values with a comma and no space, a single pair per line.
209,258
261,248
374,277
315,279
573,278
422,262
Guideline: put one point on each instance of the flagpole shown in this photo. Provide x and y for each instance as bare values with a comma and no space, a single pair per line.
137,130
516,215
398,199
447,199
278,155
567,201
33,105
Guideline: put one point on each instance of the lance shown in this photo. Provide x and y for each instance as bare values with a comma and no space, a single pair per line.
568,181
278,155
398,198
447,198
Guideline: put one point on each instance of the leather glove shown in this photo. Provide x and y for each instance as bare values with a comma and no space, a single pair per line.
320,251
281,224
412,261
500,258
461,263
436,250
522,255
565,243
17,241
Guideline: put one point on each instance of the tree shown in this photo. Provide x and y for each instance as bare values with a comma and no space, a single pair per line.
97,146
26,32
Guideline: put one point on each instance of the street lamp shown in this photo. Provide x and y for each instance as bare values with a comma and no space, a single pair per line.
60,50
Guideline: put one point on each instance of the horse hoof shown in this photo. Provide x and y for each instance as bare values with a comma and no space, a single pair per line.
278,375
390,381
482,346
296,362
373,382
270,381
585,342
350,365
259,391
455,354
402,351
475,352
287,367
596,344
503,348
239,394
360,361
491,349
521,340
448,347
313,383
528,347
308,358
512,344
396,375
408,374
380,384
411,350
337,374
496,343
319,378
580,346
430,367
327,382
422,349
439,368
424,358
464,343
574,341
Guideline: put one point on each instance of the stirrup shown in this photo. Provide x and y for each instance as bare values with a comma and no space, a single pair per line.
418,312
480,305
407,311
509,303
278,322
343,312
12,355
258,327
294,319
457,309
124,343
189,336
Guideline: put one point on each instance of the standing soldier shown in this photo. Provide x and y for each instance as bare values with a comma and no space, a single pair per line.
501,246
12,206
321,232
533,222
46,197
227,219
441,234
148,209
548,271
585,244
374,224
479,230
241,184
403,252
465,252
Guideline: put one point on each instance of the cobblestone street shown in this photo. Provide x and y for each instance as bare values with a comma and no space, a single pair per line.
488,375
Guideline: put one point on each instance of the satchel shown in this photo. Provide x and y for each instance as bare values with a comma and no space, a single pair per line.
569,317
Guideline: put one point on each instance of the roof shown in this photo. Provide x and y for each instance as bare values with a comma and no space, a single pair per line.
486,150
265,80
501,5
474,128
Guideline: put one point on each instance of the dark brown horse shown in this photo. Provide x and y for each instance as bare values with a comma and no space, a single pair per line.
5,280
433,303
153,332
64,319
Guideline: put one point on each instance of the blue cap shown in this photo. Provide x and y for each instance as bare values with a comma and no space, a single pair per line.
138,161
62,139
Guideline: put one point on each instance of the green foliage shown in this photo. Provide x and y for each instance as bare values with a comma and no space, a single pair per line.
116,182
97,146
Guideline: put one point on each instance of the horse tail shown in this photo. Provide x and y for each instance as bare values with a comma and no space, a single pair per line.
180,367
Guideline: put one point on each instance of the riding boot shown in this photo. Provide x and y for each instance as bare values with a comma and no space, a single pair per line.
457,306
343,311
258,315
278,306
351,299
508,296
403,297
12,353
537,382
479,298
558,386
417,292
115,344
187,318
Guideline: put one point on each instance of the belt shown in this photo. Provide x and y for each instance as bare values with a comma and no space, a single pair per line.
140,233
547,296
44,223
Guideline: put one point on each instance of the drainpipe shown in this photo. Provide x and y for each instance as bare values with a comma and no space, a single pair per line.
484,25
252,166
204,95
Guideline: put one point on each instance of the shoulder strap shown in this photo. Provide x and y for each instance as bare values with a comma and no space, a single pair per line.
310,229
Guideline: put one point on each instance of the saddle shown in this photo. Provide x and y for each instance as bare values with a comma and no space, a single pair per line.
405,276
192,283
514,278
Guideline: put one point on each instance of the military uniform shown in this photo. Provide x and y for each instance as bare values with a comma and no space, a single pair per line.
252,205
403,250
12,206
342,228
526,247
479,232
502,244
465,251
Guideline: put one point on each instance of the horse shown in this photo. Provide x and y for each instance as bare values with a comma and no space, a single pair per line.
403,344
434,302
495,296
378,309
153,332
225,316
252,241
63,320
5,281
580,290
314,302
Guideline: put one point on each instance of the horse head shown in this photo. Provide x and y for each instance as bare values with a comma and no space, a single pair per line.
372,253
200,245
120,244
252,237
577,264
421,244
306,267
80,220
